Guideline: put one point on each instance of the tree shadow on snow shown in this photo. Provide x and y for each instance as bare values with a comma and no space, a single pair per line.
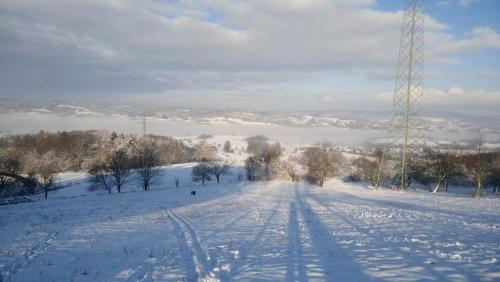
336,265
395,261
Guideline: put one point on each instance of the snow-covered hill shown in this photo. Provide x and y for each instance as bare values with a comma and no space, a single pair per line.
236,231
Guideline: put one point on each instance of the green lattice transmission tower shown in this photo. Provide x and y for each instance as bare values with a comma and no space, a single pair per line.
405,134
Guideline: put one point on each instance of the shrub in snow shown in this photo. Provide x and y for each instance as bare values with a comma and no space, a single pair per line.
321,162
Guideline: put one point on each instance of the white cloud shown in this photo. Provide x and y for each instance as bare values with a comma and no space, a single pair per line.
466,3
444,3
455,90
445,48
123,46
274,34
461,3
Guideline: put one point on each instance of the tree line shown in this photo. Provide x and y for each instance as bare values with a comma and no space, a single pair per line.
265,163
110,158
432,167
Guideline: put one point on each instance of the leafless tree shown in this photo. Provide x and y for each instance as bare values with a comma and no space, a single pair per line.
219,169
100,176
477,163
119,166
8,164
493,175
40,170
147,162
321,162
253,167
367,169
442,166
47,180
202,172
290,166
270,156
46,170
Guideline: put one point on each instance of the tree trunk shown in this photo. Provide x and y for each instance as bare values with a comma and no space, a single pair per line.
437,186
46,192
203,180
218,178
479,187
119,188
446,187
106,186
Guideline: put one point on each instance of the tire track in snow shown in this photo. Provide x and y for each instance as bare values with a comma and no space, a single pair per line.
296,268
252,246
373,238
194,256
28,255
146,271
333,259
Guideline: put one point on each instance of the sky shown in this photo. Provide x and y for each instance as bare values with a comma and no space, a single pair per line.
254,54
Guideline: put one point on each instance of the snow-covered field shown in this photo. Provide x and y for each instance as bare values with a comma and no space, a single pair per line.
237,231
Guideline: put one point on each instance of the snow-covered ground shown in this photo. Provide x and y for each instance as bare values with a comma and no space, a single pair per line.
238,231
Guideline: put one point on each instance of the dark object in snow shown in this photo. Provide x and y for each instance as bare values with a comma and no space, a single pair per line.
193,192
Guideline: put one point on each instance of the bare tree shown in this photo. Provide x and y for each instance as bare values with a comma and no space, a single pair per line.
477,163
8,164
442,167
493,175
100,176
253,167
219,169
47,180
270,156
367,169
290,166
202,172
320,163
147,162
40,169
119,167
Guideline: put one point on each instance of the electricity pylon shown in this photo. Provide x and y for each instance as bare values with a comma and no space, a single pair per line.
405,133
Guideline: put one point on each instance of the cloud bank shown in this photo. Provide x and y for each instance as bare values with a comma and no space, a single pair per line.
66,49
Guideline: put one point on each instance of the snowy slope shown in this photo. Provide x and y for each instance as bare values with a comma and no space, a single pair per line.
276,231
